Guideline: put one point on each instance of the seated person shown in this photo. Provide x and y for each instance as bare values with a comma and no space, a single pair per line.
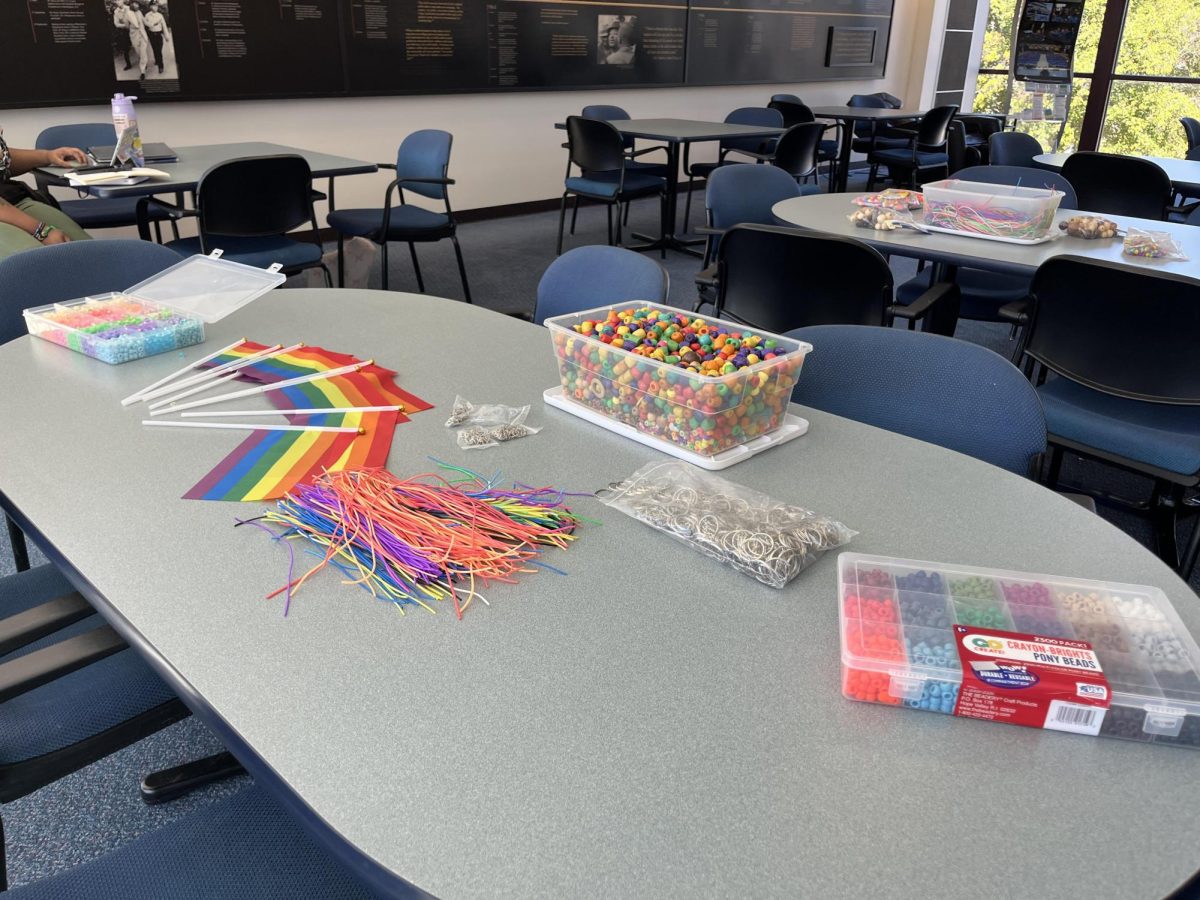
25,221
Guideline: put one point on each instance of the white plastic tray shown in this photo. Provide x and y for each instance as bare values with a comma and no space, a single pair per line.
791,428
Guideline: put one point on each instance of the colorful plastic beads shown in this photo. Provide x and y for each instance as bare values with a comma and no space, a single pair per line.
930,650
688,380
117,329
922,582
871,606
1035,594
871,687
1040,620
936,696
974,588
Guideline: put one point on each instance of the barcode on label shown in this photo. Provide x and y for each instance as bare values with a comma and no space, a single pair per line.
1063,716
1076,716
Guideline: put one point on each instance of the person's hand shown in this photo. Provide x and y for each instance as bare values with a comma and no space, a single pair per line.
56,237
66,157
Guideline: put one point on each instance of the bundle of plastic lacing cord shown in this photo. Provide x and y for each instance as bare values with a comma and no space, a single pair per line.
422,540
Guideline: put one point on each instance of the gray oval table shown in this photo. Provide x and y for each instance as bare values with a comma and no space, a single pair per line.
651,724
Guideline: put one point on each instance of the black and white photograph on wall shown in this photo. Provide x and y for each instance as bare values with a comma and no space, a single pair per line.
142,46
617,40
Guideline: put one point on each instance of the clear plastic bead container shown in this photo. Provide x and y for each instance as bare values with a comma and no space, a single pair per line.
163,313
898,648
706,414
1000,211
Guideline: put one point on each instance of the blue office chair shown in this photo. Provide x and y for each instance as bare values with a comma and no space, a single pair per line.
608,113
247,207
71,692
1119,185
762,116
244,847
61,272
992,296
933,388
926,151
740,195
422,166
827,149
598,150
871,136
1121,342
94,213
585,277
1013,148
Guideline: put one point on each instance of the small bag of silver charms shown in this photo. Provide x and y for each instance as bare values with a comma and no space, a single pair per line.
464,412
763,538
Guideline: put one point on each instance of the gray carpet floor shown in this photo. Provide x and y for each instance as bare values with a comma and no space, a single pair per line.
98,808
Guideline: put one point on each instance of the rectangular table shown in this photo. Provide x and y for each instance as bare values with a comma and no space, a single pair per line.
1184,173
194,161
848,115
675,133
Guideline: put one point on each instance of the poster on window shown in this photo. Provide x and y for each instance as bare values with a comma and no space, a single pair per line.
1044,49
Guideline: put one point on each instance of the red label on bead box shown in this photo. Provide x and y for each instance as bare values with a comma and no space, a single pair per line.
1026,679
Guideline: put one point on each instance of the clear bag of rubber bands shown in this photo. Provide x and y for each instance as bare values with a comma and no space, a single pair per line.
770,541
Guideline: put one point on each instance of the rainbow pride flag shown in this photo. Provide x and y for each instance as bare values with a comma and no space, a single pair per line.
268,464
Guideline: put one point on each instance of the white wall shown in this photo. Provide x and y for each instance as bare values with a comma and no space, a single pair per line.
506,149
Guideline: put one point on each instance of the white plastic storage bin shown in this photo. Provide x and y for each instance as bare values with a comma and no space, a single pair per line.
163,313
1006,212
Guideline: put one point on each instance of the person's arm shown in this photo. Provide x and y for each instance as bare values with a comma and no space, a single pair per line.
10,215
26,160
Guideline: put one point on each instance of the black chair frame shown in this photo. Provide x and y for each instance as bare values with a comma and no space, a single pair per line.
932,134
300,213
595,145
1040,359
936,310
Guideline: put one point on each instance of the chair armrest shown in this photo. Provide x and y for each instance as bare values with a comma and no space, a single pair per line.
34,624
941,292
708,229
316,195
761,157
172,210
426,180
633,154
1016,312
708,277
23,674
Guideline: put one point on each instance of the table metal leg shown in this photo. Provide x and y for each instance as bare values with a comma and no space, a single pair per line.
669,239
843,165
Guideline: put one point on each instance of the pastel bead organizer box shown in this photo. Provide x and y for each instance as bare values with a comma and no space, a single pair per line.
114,328
1088,657
165,312
704,384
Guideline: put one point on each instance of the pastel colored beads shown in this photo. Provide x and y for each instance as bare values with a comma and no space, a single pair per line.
116,328
700,383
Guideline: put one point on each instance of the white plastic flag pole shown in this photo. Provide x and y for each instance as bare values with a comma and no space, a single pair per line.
134,398
216,372
291,412
264,388
251,426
